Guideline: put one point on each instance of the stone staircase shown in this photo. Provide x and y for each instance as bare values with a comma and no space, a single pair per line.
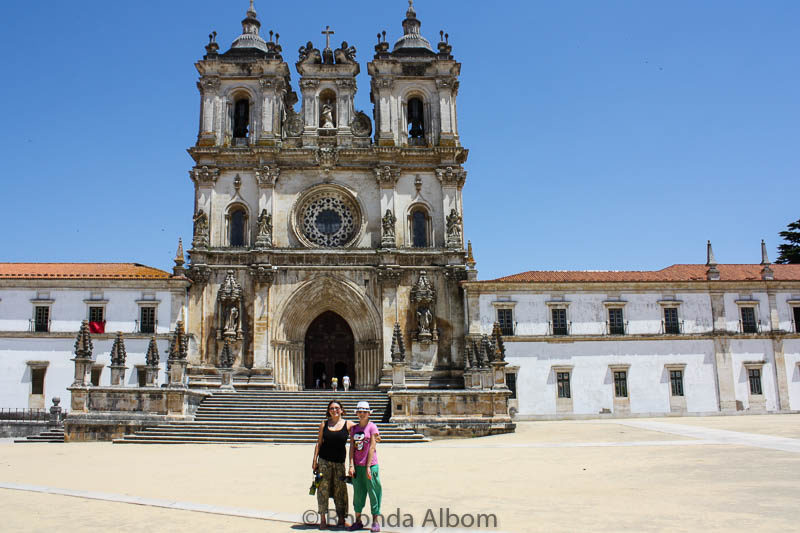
269,417
51,435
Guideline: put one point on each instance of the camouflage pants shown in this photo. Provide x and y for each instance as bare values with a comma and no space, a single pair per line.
331,485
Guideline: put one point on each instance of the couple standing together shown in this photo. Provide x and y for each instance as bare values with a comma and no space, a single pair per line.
329,463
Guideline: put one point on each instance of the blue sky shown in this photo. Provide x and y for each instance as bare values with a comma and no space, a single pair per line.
602,135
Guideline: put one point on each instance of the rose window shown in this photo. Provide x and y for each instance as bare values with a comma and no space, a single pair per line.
328,219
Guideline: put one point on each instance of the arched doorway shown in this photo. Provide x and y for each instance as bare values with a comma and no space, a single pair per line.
330,350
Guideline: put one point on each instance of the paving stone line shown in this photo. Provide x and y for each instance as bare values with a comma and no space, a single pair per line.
722,436
204,508
587,444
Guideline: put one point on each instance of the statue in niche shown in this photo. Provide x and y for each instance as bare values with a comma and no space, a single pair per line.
423,297
264,236
232,321
387,223
345,55
326,117
453,228
424,320
200,229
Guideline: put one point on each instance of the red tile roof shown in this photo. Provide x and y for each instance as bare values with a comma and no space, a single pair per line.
80,271
671,273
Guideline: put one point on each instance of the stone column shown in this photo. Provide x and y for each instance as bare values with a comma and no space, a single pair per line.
55,411
83,371
151,376
723,366
118,375
781,377
263,275
386,134
177,374
208,88
398,376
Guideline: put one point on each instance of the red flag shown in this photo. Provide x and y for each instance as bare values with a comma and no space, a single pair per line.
97,327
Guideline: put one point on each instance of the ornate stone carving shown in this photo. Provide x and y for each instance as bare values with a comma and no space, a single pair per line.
307,84
272,83
455,273
309,54
229,300
226,357
480,355
469,356
488,349
326,157
204,175
209,84
263,273
423,296
328,219
346,55
361,125
326,117
452,176
398,349
454,239
199,274
389,275
267,176
200,239
83,342
118,353
178,344
387,224
264,235
293,123
386,176
498,344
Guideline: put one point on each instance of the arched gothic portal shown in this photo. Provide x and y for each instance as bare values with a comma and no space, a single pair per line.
330,351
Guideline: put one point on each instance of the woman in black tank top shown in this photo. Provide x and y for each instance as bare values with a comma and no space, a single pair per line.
329,457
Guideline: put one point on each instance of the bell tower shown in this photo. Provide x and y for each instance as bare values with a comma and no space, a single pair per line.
414,89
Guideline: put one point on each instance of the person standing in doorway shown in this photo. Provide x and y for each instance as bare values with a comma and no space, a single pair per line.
364,467
334,383
346,382
324,380
328,462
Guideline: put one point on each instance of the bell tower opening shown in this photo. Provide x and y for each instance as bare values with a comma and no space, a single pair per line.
241,118
329,351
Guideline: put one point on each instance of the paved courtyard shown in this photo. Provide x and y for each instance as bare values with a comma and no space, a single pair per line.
737,473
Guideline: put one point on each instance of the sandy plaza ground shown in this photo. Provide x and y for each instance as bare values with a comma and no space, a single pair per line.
735,473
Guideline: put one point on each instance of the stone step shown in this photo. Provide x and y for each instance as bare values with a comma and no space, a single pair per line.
51,435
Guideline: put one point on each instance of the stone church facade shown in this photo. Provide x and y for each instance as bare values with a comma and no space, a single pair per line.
317,229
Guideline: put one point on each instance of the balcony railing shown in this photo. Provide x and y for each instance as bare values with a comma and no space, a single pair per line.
674,328
25,415
750,327
145,327
38,327
617,329
559,330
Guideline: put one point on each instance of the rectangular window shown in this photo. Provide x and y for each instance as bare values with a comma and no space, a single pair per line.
511,383
615,324
141,376
754,374
671,325
796,312
749,324
147,320
562,378
42,318
97,320
97,371
676,382
505,318
621,383
559,323
37,380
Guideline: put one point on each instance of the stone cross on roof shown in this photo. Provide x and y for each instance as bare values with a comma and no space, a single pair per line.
327,33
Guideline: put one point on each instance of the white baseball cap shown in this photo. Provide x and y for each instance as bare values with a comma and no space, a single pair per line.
363,406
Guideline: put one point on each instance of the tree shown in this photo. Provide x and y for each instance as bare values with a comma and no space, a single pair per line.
790,251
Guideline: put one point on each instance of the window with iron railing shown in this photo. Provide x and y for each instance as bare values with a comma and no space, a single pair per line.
748,322
559,323
147,319
616,324
41,321
505,317
671,324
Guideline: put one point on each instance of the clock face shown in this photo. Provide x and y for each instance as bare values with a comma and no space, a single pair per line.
329,219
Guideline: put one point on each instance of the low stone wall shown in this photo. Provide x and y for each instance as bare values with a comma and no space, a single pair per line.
107,413
19,428
452,413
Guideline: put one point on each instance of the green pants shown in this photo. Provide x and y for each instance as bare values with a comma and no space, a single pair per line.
363,486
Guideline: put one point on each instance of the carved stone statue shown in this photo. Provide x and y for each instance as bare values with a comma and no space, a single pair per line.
361,125
264,236
345,55
424,320
326,117
200,229
423,296
387,223
454,229
232,322
309,54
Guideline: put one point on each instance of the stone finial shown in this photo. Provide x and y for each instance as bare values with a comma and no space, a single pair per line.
178,269
713,272
179,344
499,346
83,344
488,348
118,354
151,357
212,48
480,356
468,355
470,257
398,350
766,272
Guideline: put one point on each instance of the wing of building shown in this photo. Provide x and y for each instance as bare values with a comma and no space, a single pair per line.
699,338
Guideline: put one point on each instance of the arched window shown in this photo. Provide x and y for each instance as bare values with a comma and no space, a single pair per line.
419,228
416,121
241,118
237,222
